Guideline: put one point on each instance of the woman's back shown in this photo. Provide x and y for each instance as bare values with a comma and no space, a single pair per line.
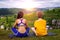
40,26
21,24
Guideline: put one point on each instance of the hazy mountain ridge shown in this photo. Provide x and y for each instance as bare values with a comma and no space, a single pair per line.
9,11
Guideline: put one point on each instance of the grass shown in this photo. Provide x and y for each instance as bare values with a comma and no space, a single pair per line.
4,36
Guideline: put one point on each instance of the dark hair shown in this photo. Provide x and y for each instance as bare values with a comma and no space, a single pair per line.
20,15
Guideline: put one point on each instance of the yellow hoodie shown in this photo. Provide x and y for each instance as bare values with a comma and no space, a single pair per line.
40,26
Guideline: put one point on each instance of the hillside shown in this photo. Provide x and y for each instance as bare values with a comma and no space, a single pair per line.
9,11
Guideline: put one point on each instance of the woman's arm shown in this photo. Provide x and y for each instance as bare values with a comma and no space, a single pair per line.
15,24
26,23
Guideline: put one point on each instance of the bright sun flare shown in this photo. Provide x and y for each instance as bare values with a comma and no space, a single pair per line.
28,5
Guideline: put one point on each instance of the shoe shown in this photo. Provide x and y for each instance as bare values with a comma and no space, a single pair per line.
11,36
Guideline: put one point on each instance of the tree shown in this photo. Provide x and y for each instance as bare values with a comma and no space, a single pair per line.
52,14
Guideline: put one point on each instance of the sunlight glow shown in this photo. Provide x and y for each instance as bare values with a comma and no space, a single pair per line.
28,5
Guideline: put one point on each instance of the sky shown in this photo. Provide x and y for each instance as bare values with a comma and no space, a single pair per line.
29,3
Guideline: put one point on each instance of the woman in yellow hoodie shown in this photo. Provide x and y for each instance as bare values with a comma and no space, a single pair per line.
40,25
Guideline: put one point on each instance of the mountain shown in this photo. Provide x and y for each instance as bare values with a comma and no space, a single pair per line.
10,11
47,8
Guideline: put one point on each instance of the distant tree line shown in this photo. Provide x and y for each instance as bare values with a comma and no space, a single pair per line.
8,11
52,14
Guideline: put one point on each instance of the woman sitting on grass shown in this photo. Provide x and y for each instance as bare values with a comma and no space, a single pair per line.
40,26
20,27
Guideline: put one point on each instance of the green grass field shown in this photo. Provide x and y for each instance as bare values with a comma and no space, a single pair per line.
4,36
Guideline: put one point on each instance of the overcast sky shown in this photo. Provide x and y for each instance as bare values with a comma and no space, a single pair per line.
29,3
